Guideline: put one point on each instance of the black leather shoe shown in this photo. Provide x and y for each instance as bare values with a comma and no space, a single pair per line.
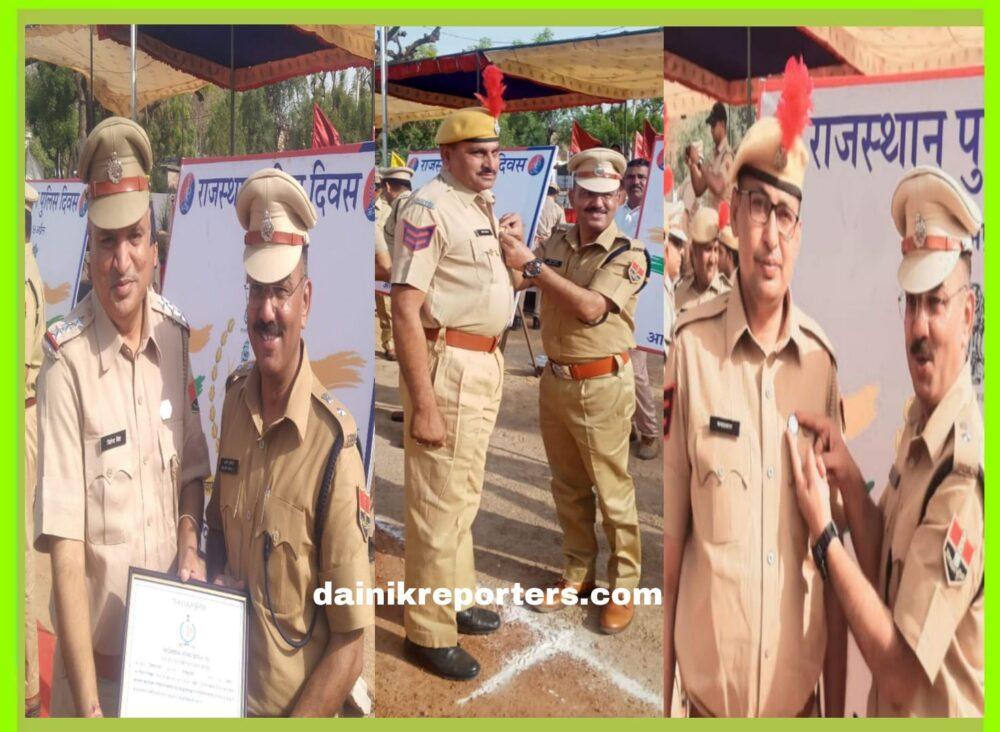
477,621
450,663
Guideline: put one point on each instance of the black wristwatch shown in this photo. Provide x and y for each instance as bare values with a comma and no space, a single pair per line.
532,269
822,544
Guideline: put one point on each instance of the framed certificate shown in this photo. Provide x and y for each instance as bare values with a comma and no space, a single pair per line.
185,648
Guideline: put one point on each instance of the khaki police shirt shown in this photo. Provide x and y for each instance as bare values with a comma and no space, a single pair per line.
268,481
552,215
720,164
932,565
381,214
687,297
389,227
750,633
119,436
34,320
612,265
669,313
446,245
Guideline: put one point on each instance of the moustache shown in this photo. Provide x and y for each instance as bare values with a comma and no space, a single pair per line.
124,280
921,349
268,329
595,209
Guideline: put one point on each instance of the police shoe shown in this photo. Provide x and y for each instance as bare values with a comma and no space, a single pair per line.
649,447
450,663
615,617
477,621
553,600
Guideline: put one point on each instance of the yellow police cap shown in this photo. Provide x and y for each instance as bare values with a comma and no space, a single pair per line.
115,163
937,221
598,169
401,173
728,238
470,123
705,226
30,196
277,214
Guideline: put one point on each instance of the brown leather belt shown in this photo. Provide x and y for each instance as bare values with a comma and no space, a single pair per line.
30,402
809,710
461,339
108,668
590,369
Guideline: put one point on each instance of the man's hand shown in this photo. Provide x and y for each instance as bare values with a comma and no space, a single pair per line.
427,426
224,580
841,470
511,224
190,565
811,488
515,253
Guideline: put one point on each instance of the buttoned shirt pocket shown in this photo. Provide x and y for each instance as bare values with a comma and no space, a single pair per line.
719,494
289,577
109,494
233,527
484,250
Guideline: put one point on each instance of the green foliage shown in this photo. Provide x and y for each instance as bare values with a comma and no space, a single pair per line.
52,114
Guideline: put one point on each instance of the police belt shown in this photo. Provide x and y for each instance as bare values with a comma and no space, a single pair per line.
808,709
461,339
589,369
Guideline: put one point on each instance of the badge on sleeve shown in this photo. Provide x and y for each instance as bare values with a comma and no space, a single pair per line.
366,521
958,552
193,396
636,272
417,237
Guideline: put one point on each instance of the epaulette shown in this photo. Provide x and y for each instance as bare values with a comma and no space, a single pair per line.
812,327
241,372
710,309
64,330
968,460
162,305
425,202
343,417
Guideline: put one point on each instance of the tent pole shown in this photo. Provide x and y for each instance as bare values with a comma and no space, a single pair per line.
132,59
90,84
749,70
232,91
384,84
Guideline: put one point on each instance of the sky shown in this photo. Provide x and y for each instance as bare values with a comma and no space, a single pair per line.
457,38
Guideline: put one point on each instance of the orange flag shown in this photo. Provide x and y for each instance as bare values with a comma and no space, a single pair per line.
580,140
324,133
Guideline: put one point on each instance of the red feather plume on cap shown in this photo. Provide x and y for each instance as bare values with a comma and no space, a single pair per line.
795,102
723,215
493,82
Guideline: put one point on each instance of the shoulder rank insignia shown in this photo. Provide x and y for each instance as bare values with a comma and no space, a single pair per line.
163,305
241,372
62,331
957,553
426,203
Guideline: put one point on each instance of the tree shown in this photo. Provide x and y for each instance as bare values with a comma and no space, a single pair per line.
171,129
394,36
52,115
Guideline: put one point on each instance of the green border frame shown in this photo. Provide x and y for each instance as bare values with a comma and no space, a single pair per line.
449,12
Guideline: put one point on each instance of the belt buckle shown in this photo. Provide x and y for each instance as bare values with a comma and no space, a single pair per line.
561,370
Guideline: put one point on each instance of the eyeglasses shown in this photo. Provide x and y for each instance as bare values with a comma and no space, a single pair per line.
258,294
761,208
932,303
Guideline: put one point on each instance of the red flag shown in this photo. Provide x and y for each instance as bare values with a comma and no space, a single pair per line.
324,133
581,140
649,135
639,149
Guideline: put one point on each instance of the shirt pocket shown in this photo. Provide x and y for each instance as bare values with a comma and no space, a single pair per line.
286,569
170,438
719,497
109,509
232,524
481,251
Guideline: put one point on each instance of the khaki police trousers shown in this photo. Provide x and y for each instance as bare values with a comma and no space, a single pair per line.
585,427
644,420
443,485
30,623
384,322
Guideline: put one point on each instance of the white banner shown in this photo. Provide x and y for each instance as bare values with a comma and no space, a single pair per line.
58,237
866,133
205,276
649,312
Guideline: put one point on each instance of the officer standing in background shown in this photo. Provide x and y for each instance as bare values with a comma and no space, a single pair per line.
914,599
552,215
121,453
34,329
713,181
729,253
395,185
748,618
705,282
451,301
673,253
400,189
291,509
591,275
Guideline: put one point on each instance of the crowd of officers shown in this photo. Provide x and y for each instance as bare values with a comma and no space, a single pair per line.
761,491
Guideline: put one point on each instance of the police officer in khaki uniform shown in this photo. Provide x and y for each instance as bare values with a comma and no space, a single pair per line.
914,599
121,453
34,329
395,184
451,300
291,509
747,618
713,180
552,214
705,281
591,275
401,188
729,253
673,254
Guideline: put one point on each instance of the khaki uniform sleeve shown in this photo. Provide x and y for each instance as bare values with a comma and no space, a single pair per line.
194,460
61,493
213,513
835,411
380,245
928,607
676,466
612,279
419,246
344,558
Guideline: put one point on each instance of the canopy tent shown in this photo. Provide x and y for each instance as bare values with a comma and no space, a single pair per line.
402,111
243,57
539,76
